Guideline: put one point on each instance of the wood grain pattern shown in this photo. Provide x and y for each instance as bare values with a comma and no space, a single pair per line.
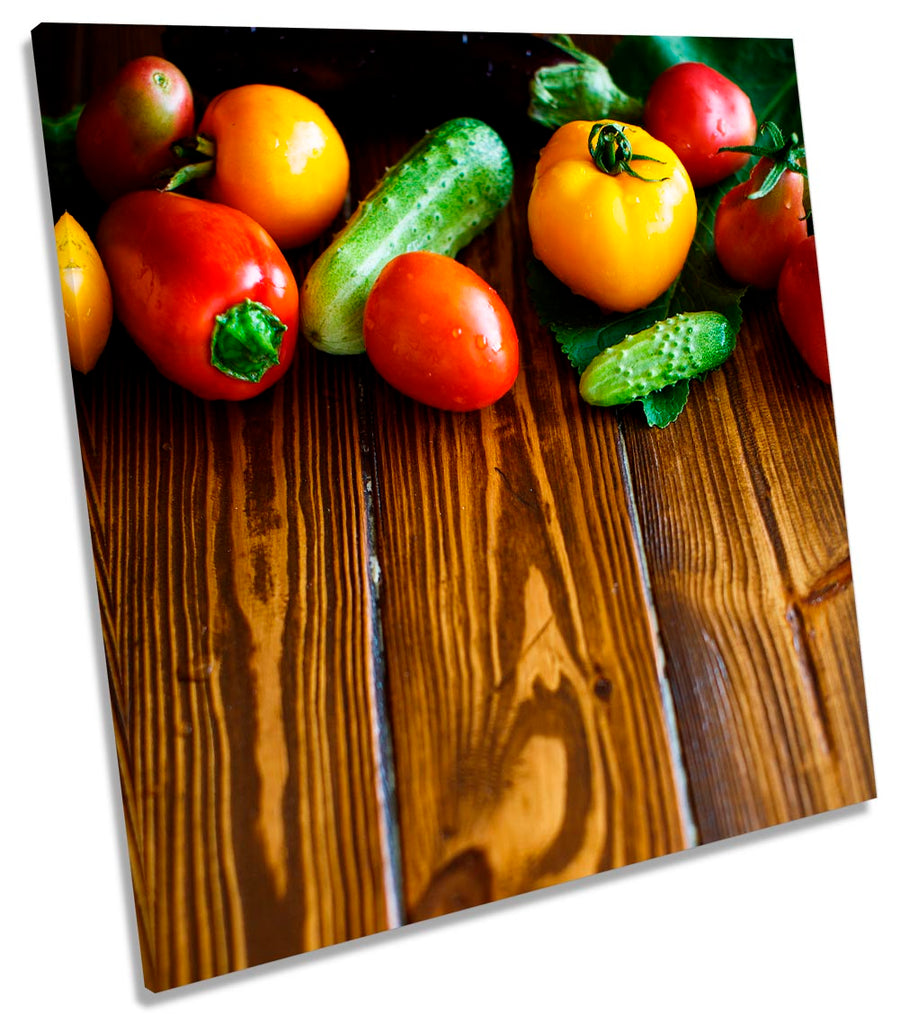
530,731
371,663
242,684
741,531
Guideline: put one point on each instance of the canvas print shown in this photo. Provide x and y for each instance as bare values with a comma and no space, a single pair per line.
460,461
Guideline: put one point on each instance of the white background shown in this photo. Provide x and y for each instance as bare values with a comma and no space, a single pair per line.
797,923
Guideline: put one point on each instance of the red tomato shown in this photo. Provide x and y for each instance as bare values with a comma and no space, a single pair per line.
800,306
696,110
203,291
753,236
439,333
126,130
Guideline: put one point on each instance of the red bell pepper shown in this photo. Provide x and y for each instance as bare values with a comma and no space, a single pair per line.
203,290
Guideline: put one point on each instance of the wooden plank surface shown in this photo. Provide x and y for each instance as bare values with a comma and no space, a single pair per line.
370,663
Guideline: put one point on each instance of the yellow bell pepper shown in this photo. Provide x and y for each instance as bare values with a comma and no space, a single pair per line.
612,213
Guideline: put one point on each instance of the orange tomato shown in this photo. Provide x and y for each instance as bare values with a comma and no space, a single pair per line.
278,158
86,293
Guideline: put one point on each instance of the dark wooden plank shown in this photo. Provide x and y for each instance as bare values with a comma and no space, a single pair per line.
741,512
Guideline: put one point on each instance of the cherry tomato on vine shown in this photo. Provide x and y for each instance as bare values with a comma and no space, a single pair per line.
696,111
759,221
799,301
439,333
202,290
612,213
127,129
753,236
275,154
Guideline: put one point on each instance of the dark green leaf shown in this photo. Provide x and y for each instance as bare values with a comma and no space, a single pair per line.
580,327
66,180
663,407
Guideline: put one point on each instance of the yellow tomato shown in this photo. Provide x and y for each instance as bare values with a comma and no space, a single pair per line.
278,158
612,213
87,297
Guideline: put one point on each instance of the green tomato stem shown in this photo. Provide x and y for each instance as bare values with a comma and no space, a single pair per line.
785,154
200,154
246,340
611,151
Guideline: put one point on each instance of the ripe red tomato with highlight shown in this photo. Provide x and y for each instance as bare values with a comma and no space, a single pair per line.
754,236
696,110
126,131
439,333
799,299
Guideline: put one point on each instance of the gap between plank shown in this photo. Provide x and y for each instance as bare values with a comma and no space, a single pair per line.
668,704
385,774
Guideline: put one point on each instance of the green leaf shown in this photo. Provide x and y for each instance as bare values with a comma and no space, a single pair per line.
580,327
60,131
703,284
63,171
664,406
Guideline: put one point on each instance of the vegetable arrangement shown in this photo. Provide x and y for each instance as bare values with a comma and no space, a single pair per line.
275,155
750,215
446,190
668,186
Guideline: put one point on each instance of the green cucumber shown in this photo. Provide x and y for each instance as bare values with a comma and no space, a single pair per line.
678,348
447,189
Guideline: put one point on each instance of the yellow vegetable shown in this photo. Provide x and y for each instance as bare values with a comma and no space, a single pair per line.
612,213
87,297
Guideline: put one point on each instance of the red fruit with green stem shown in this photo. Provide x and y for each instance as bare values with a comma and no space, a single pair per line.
203,290
127,128
759,221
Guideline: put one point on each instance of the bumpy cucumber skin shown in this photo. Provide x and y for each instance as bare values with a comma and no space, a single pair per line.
444,192
678,348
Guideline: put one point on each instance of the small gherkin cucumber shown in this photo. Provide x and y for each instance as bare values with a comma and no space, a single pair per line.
678,348
443,193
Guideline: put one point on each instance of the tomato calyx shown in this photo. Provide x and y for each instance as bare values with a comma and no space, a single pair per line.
612,153
246,340
198,156
784,154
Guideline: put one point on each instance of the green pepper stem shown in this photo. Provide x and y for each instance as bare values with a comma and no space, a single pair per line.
612,153
246,340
